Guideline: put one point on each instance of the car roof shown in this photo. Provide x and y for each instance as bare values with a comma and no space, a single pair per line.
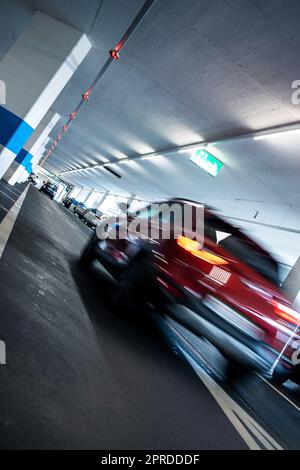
188,201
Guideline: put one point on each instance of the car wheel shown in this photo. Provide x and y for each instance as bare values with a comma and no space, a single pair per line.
296,375
88,254
125,298
134,282
280,376
234,372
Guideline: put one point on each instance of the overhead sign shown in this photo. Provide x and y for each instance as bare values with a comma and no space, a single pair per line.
207,161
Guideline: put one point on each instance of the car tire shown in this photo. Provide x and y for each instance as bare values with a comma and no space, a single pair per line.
296,375
234,372
88,254
280,376
134,281
123,299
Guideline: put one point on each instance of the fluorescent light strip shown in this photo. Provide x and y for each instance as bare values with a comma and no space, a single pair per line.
267,135
192,149
146,158
279,133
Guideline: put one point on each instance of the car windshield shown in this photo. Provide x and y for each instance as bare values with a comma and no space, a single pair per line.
234,241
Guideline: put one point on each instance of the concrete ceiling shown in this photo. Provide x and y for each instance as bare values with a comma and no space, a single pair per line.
193,70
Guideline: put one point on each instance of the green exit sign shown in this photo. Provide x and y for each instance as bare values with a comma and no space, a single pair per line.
207,161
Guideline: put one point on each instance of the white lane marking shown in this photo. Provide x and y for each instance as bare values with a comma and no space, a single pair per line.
242,421
9,220
3,208
13,190
8,197
279,392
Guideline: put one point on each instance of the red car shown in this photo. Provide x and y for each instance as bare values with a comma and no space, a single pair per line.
225,289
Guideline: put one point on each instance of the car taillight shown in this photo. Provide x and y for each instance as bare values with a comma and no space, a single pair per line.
193,247
286,313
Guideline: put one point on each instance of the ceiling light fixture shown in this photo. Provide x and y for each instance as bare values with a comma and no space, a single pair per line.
279,133
192,147
120,155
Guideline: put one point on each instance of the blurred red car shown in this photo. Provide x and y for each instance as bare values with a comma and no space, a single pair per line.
225,289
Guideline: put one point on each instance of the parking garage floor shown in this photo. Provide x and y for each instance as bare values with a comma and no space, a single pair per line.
77,375
8,196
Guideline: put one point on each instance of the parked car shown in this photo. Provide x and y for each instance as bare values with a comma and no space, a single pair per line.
80,209
32,179
68,201
226,290
50,189
92,217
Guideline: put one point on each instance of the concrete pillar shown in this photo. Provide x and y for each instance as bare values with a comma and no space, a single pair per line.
35,70
102,199
291,285
75,192
90,198
96,199
22,166
39,154
83,195
35,161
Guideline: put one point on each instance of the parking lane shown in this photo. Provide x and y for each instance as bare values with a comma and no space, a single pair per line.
7,224
11,189
8,196
271,408
78,375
